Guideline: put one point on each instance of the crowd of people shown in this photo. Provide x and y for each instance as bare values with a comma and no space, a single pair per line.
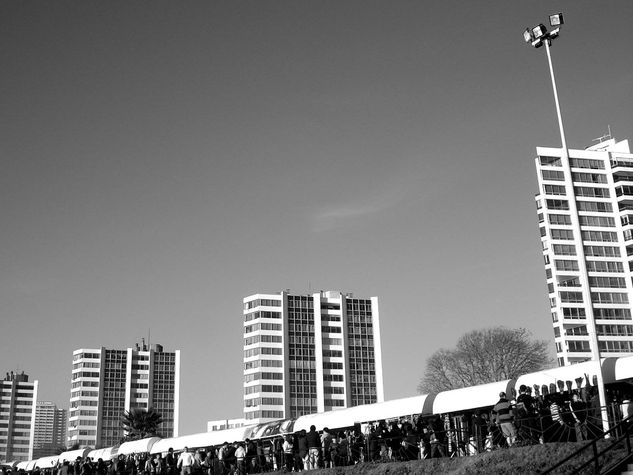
549,413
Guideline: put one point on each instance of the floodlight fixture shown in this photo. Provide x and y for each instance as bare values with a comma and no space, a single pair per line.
556,19
527,35
539,31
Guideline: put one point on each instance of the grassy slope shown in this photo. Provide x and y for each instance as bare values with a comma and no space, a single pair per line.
525,460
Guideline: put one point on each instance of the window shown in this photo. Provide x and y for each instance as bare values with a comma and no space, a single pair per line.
609,297
614,330
574,313
562,234
588,177
565,265
586,163
599,236
602,251
562,205
595,207
599,221
604,266
612,313
591,192
550,161
554,189
571,297
576,346
559,219
608,282
564,249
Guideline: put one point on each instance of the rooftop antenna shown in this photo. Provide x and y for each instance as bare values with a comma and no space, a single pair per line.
605,137
149,339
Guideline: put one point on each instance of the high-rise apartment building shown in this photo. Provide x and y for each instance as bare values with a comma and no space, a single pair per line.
585,214
106,383
50,429
17,417
309,353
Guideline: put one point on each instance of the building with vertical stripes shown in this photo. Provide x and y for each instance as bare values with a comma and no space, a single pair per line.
106,383
50,429
585,214
17,417
309,353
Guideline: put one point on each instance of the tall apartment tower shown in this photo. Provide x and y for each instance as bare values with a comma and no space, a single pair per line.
106,383
585,214
50,429
309,353
17,417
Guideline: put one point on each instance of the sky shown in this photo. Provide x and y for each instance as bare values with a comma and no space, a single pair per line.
161,161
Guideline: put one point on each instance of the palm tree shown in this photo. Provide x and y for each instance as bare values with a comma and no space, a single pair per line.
139,423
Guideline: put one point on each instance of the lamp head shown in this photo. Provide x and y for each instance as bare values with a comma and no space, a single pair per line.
527,35
539,31
556,20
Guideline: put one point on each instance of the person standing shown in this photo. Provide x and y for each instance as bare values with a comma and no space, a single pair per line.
504,416
185,462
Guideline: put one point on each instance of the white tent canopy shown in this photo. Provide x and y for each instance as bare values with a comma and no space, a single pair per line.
366,413
137,446
103,454
622,368
72,455
47,462
26,465
472,397
563,373
201,439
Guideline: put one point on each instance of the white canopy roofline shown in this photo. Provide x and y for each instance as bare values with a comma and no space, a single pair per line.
72,455
137,446
366,413
47,462
472,397
562,373
103,454
617,369
201,439
26,465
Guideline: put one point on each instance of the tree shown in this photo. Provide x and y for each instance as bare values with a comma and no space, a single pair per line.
139,423
485,356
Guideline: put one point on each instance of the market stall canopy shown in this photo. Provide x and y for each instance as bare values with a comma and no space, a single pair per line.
366,413
103,454
617,369
26,465
140,446
562,373
201,439
473,397
72,455
47,462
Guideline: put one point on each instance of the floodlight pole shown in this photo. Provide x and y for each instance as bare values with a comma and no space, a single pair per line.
548,43
569,181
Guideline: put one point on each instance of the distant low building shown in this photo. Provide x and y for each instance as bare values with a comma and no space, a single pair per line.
223,424
17,417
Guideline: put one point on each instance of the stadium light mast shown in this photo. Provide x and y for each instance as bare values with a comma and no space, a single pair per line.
538,36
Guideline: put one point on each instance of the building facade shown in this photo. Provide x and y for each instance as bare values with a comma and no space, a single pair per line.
585,214
309,353
17,417
106,383
50,429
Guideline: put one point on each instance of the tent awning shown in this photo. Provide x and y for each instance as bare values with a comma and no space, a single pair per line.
103,454
366,413
137,446
201,439
72,455
47,462
472,397
562,373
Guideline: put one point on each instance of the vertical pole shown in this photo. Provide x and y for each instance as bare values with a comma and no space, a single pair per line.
591,324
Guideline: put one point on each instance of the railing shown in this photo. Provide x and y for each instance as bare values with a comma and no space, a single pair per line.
616,438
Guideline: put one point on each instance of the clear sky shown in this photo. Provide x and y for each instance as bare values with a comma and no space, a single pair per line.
162,160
